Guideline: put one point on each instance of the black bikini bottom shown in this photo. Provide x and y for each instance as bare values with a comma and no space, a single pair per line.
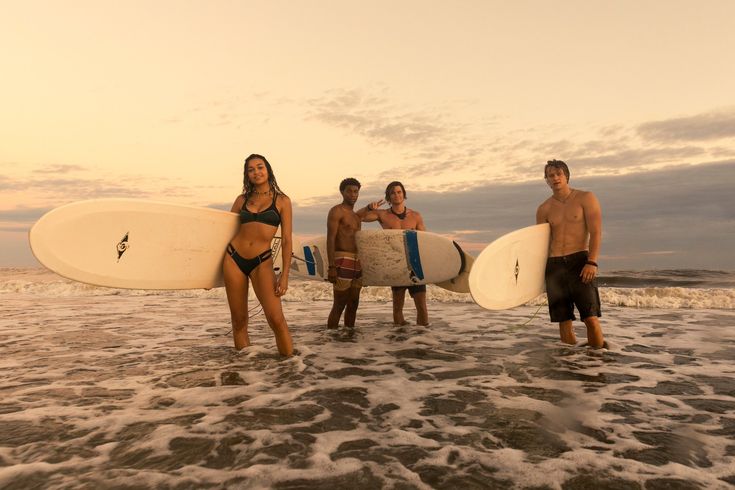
248,265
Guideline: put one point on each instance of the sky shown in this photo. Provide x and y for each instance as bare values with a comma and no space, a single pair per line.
463,101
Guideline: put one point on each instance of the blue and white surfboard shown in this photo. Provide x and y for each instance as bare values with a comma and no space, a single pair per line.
388,258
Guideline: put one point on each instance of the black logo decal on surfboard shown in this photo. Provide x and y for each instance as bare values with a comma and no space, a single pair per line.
122,246
517,271
275,247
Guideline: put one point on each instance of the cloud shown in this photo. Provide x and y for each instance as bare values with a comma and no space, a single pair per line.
375,119
430,140
683,208
60,169
629,159
70,189
22,214
14,229
700,127
433,143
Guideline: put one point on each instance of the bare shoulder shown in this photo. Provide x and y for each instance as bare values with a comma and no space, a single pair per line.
415,213
335,211
587,197
238,204
284,199
545,205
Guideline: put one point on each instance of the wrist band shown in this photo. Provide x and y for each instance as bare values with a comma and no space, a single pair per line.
592,262
368,207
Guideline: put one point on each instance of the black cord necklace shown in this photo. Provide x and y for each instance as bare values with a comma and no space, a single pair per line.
402,215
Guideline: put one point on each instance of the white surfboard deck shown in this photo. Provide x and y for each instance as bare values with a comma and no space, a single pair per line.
137,244
388,258
510,271
461,283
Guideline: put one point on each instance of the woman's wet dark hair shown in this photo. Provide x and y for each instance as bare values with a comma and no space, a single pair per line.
247,186
557,164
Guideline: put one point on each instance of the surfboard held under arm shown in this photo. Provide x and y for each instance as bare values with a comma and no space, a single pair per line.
137,244
510,271
388,258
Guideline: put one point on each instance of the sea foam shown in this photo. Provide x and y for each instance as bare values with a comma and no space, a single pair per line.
44,283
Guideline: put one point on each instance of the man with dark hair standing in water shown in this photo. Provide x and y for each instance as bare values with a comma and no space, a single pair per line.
398,217
345,270
576,233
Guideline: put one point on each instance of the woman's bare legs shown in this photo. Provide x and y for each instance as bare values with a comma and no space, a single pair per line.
264,285
236,286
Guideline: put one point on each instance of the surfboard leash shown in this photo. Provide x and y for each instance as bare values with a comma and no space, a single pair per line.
519,325
312,262
250,315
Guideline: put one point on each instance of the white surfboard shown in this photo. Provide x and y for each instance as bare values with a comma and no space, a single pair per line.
388,258
137,244
510,271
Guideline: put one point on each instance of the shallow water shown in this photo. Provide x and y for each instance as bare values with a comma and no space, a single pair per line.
103,391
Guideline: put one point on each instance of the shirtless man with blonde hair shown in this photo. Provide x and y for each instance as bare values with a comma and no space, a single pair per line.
571,270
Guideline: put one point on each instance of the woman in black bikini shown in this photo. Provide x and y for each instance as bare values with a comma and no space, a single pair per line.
262,207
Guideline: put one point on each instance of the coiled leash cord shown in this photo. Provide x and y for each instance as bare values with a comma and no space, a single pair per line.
519,325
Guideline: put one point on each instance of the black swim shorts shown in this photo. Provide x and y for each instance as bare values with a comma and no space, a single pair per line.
565,289
412,290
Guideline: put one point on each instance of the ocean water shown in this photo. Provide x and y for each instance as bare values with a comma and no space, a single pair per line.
106,388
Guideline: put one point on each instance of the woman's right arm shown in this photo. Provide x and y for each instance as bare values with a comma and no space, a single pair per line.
237,205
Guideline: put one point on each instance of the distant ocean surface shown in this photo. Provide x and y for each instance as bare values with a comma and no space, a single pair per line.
684,278
111,388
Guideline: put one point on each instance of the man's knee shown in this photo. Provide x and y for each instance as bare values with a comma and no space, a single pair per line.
341,298
591,322
566,326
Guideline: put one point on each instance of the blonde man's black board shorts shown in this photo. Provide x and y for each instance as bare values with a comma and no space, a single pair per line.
565,289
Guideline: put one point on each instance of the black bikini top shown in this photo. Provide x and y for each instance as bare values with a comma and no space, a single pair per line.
269,216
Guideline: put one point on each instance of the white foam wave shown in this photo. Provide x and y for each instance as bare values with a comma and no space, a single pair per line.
46,284
669,297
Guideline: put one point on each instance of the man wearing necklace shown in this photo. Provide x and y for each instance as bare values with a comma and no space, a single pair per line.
345,270
571,270
398,217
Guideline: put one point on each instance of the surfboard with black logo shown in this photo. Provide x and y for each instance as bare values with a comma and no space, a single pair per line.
137,244
510,271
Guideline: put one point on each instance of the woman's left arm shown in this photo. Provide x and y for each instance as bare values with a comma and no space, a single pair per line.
286,244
